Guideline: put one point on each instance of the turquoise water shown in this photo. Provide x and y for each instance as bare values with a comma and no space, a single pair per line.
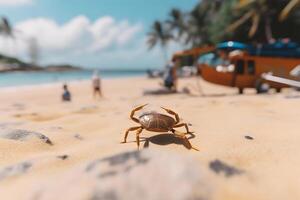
34,78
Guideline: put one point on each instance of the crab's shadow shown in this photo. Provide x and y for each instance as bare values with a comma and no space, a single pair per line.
167,139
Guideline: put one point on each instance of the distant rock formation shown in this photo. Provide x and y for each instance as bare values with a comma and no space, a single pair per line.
11,64
59,68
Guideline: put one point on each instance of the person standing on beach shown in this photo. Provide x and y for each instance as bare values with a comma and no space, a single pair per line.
96,82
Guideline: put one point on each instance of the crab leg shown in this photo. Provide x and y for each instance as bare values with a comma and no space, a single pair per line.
138,132
184,138
185,125
172,113
128,130
134,110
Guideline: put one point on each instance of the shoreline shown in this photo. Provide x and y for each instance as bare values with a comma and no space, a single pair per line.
49,84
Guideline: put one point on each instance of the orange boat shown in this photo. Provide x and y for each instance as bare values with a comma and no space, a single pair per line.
237,68
245,71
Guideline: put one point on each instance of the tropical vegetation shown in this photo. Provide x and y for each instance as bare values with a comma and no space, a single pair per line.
214,21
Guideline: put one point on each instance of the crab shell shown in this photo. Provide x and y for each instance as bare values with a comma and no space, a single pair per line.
156,122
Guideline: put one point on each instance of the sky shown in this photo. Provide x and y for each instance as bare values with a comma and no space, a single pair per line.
88,33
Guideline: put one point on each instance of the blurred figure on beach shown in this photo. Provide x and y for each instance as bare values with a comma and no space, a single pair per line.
170,79
96,83
66,96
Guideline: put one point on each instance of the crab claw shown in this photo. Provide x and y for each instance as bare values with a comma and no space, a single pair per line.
169,111
165,109
140,107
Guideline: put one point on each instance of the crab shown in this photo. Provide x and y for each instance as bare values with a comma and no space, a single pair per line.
157,122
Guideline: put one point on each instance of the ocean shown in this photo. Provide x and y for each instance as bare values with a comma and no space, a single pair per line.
34,78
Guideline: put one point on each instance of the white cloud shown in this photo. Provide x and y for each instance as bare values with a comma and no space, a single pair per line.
79,34
15,2
104,42
52,37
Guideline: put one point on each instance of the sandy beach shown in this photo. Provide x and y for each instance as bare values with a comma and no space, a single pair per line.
248,143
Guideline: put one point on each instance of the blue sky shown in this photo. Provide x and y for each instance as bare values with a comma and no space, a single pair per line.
63,10
124,22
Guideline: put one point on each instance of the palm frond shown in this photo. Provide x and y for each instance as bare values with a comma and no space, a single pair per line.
255,23
243,3
159,34
151,41
289,7
240,21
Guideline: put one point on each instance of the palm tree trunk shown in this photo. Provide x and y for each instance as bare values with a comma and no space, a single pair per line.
165,54
268,30
15,46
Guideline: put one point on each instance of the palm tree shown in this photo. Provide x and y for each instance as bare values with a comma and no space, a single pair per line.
6,30
200,20
197,29
5,27
177,22
159,34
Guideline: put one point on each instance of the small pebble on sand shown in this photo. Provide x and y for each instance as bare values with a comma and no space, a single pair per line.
249,137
